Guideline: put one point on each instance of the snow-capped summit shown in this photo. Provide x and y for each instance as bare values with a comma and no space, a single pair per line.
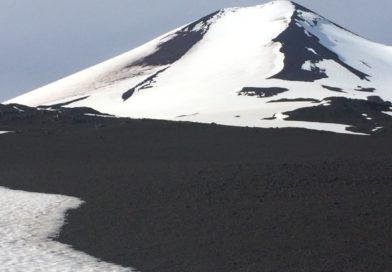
256,66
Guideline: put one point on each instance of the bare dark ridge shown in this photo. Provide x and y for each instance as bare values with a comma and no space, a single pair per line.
295,42
182,41
300,7
12,108
145,84
10,113
379,100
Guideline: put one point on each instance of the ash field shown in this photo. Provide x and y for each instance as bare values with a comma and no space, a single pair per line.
178,196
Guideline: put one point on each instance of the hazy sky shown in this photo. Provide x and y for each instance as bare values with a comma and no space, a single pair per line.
44,40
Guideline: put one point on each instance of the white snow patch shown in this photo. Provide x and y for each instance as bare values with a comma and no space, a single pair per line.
308,66
331,127
28,221
200,26
311,50
325,103
388,112
366,116
100,115
18,109
280,116
249,120
4,132
46,109
307,33
311,19
377,128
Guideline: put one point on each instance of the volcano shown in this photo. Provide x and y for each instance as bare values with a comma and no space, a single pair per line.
86,188
272,65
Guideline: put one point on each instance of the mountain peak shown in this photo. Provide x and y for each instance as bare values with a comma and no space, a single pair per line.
304,43
231,67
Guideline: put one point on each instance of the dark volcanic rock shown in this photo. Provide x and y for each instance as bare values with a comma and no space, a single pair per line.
262,92
295,100
362,89
334,89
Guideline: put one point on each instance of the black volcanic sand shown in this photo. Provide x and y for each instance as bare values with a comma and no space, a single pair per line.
164,196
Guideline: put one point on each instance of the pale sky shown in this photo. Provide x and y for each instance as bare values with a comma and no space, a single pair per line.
44,40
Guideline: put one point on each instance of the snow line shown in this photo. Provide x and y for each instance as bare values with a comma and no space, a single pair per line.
28,221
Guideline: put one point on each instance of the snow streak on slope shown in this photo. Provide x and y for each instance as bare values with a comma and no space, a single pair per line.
27,221
203,72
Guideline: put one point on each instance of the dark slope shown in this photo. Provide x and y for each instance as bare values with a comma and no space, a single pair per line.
178,44
163,196
171,49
